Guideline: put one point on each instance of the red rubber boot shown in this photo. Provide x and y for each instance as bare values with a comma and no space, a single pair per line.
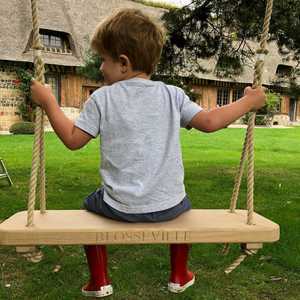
99,284
181,278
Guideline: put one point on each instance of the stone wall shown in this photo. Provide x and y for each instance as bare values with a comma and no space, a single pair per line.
281,119
10,98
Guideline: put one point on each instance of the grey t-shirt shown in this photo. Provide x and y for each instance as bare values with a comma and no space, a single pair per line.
139,124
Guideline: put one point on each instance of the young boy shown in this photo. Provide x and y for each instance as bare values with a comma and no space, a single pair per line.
139,123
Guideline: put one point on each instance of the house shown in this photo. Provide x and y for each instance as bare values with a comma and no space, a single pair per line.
66,27
217,91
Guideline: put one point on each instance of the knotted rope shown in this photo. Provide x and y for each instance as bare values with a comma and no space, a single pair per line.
248,147
37,178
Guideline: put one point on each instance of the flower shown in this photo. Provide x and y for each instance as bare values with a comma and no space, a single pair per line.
16,82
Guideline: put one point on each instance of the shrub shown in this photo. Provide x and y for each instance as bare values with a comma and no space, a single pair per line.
261,120
22,128
26,107
265,115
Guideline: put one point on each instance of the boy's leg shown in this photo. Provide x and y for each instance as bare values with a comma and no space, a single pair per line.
180,278
99,284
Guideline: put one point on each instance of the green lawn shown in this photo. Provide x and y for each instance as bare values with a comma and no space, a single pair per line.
141,271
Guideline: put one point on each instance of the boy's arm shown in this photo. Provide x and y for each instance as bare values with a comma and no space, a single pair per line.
73,137
209,121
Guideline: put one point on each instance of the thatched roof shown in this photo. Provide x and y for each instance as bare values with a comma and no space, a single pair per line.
271,62
75,17
78,19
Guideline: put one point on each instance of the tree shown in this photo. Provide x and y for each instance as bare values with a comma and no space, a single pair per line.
92,63
222,28
219,29
264,116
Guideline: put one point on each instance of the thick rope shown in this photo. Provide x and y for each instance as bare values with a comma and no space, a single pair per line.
250,175
246,253
248,147
42,185
249,142
257,82
37,167
238,177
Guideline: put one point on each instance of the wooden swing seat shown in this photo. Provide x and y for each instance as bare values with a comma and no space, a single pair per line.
78,227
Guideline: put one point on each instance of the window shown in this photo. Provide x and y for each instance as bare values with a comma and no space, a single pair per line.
55,40
222,97
54,81
237,94
284,70
51,41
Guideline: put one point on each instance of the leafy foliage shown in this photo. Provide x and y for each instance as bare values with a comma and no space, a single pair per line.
27,107
221,29
285,26
92,63
272,103
265,114
293,89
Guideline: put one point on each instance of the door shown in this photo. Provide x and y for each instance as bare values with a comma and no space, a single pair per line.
87,91
293,110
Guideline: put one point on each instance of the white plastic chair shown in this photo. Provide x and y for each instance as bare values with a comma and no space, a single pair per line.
3,172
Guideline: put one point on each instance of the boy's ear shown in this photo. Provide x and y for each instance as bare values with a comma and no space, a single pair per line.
125,63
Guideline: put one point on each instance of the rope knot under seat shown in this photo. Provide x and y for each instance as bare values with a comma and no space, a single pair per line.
245,253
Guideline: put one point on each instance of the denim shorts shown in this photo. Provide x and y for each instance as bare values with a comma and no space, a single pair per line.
95,203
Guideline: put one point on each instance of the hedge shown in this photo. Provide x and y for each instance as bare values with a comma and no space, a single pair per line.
22,128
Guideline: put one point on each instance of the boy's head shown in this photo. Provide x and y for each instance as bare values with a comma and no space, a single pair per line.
130,34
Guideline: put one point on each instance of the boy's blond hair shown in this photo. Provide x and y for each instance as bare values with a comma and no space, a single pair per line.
132,33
